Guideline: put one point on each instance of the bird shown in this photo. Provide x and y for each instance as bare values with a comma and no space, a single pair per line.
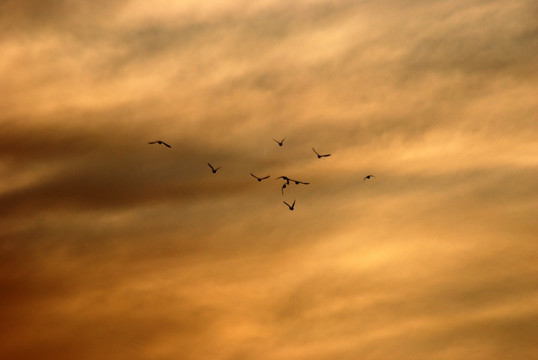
297,182
259,179
282,189
159,142
292,205
320,155
285,178
280,142
213,169
368,177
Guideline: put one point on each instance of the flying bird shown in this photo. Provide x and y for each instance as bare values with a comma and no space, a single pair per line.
285,178
212,168
297,182
292,205
320,155
159,142
368,177
280,142
259,179
282,189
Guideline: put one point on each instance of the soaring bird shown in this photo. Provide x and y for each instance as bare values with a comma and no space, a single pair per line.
320,155
292,205
159,142
213,169
279,142
368,177
297,182
259,179
287,179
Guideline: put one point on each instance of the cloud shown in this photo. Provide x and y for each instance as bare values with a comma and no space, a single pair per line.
21,17
113,248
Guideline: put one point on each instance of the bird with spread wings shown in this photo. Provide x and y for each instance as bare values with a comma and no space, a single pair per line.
290,206
320,155
159,142
213,170
258,178
281,142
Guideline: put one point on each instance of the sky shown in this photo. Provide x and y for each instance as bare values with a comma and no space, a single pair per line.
111,248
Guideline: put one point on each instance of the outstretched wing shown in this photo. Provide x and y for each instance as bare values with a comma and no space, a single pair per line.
165,144
315,151
286,203
254,176
266,177
325,155
153,142
292,205
210,166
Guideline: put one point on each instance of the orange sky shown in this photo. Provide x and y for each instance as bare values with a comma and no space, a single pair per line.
111,248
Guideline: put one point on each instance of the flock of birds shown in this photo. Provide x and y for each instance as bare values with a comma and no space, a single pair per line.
286,179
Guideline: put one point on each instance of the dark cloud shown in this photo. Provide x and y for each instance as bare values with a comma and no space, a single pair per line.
20,17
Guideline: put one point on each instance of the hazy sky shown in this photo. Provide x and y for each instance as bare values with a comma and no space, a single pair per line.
111,248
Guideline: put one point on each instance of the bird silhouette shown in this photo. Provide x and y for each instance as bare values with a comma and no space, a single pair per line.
279,142
368,177
159,142
287,179
212,168
297,182
292,205
320,155
282,189
259,179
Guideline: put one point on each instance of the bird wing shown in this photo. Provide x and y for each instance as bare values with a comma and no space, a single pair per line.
217,168
165,144
286,203
276,141
251,174
326,155
153,142
315,151
292,205
266,177
281,141
210,166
